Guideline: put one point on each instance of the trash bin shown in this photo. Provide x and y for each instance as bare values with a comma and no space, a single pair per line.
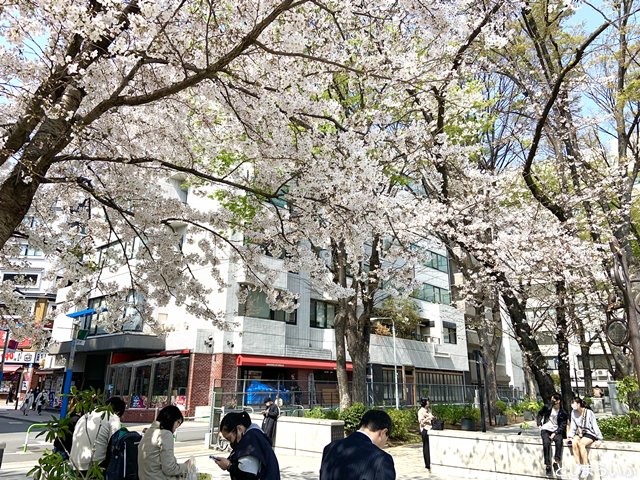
2,446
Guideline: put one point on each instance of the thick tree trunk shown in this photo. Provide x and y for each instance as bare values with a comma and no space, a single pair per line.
341,356
530,349
586,367
562,327
19,188
358,340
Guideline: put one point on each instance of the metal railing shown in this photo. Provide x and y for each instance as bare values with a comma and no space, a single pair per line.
26,438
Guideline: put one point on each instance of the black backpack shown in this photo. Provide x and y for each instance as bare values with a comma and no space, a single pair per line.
123,456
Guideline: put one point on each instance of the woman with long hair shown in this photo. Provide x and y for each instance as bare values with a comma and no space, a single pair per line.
425,417
584,431
156,460
252,456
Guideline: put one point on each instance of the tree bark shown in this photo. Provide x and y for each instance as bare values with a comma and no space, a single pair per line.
524,336
562,327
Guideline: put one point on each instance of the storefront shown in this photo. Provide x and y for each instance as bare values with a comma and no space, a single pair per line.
294,380
150,383
10,378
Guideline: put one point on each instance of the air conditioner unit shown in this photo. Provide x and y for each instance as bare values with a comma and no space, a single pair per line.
435,340
580,373
602,373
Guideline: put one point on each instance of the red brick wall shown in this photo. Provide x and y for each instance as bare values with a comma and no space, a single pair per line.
200,373
207,371
139,415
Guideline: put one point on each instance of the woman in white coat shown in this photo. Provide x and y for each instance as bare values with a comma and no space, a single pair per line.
26,404
156,460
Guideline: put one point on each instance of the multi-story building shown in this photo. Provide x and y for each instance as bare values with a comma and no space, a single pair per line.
261,347
30,274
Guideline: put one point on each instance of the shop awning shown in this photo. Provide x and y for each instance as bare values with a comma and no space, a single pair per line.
259,361
11,368
81,313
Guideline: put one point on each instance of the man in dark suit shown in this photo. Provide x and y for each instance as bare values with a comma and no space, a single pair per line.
360,455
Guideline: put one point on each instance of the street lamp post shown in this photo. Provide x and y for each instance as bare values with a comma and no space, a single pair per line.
395,362
4,353
68,371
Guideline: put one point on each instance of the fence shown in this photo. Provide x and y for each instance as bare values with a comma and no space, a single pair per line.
290,397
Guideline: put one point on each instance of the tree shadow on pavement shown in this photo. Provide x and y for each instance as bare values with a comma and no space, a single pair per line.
288,473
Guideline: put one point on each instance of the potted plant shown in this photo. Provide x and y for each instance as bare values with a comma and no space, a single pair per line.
530,408
470,417
501,418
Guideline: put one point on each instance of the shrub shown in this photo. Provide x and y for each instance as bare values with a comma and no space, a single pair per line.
469,411
447,413
530,405
619,428
403,422
501,407
351,417
452,414
332,415
315,412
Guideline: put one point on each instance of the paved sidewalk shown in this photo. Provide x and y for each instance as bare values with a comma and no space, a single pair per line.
408,462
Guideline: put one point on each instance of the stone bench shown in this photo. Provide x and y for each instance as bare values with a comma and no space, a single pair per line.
492,456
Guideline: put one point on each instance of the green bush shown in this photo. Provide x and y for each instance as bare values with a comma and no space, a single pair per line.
501,407
404,421
351,417
332,414
452,414
529,405
619,428
315,412
469,411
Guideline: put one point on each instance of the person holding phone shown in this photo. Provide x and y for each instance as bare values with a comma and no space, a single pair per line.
156,458
252,455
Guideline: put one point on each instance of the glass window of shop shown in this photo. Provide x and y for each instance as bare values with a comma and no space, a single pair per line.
155,383
141,383
161,382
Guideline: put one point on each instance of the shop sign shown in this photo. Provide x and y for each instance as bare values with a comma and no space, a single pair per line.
181,402
24,357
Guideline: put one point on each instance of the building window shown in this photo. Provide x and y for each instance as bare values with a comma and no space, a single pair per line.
114,253
439,262
141,383
256,306
21,279
91,322
322,314
133,306
449,330
433,294
597,362
389,384
546,338
28,251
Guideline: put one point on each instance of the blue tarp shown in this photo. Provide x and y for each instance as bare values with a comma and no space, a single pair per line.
258,392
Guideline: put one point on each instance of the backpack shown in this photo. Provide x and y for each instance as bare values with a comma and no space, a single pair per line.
123,456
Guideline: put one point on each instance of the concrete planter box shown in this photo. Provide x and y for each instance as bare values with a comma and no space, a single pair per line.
304,436
468,424
501,420
493,456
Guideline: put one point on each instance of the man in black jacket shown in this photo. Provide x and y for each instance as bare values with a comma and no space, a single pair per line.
552,420
360,455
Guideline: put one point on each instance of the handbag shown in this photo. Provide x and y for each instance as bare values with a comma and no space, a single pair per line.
437,424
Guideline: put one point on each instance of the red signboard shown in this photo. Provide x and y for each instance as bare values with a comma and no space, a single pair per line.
26,343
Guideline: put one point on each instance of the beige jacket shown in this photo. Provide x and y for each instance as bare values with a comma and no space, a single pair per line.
156,460
424,419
